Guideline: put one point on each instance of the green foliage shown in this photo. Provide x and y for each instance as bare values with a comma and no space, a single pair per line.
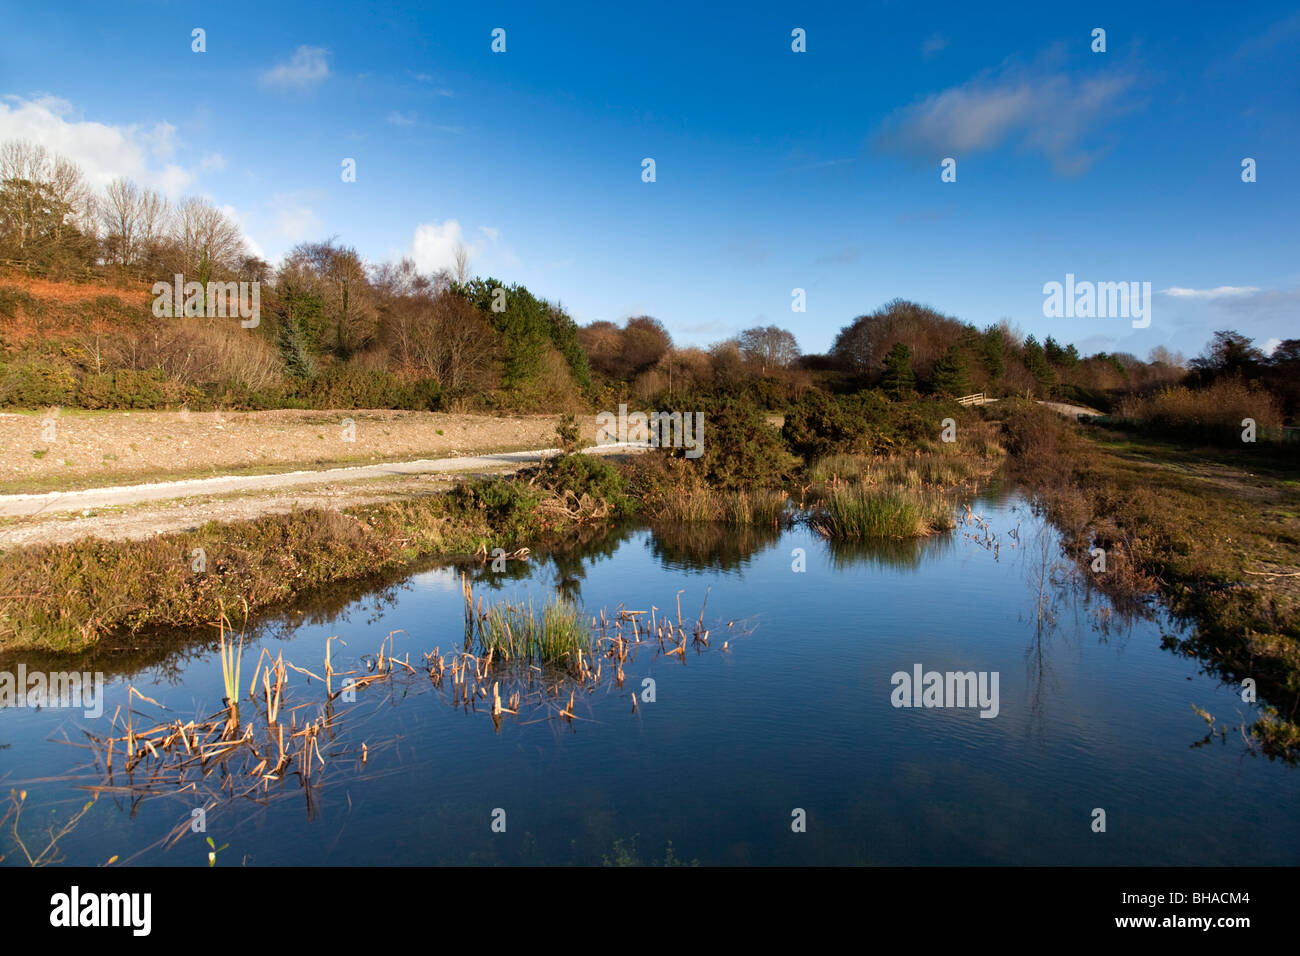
949,375
303,312
863,423
509,507
293,349
347,386
427,394
569,434
898,379
516,632
821,424
129,388
990,351
36,382
529,326
740,449
1066,357
863,513
586,475
1035,358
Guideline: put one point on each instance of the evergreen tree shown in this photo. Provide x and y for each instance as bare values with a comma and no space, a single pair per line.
990,352
898,379
297,363
949,377
1039,367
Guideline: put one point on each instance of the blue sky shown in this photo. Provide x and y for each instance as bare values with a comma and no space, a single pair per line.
774,169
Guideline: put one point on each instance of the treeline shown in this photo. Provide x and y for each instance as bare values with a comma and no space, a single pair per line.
333,331
336,331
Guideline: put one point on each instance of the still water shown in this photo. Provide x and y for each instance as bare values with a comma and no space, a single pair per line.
794,723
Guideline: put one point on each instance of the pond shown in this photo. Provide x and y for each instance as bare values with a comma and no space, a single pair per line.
784,747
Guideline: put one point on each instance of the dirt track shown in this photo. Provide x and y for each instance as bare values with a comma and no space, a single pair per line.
142,511
70,449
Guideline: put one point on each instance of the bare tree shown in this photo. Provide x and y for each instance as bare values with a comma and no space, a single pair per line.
46,206
208,240
441,336
1162,356
462,263
133,219
771,347
350,301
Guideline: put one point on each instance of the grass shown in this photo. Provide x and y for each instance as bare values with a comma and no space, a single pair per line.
861,512
66,597
702,503
517,632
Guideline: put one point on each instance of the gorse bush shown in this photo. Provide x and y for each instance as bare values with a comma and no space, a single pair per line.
865,423
586,475
35,382
740,449
509,506
128,388
344,386
821,424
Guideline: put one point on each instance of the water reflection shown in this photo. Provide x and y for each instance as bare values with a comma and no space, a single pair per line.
796,714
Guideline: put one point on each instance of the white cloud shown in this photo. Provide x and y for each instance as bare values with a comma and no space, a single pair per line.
1219,292
306,67
104,152
1271,345
1049,112
403,119
433,247
235,216
295,220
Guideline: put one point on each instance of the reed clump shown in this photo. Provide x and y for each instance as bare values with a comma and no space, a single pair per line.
863,512
759,507
555,634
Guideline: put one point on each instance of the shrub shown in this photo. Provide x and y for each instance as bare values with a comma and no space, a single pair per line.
427,393
37,382
347,386
509,507
866,423
131,388
586,475
569,434
1214,413
739,448
821,424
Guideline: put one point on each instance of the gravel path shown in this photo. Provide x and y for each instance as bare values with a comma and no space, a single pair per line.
35,504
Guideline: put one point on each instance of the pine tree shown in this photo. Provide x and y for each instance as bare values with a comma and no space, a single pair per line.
293,352
949,377
898,379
